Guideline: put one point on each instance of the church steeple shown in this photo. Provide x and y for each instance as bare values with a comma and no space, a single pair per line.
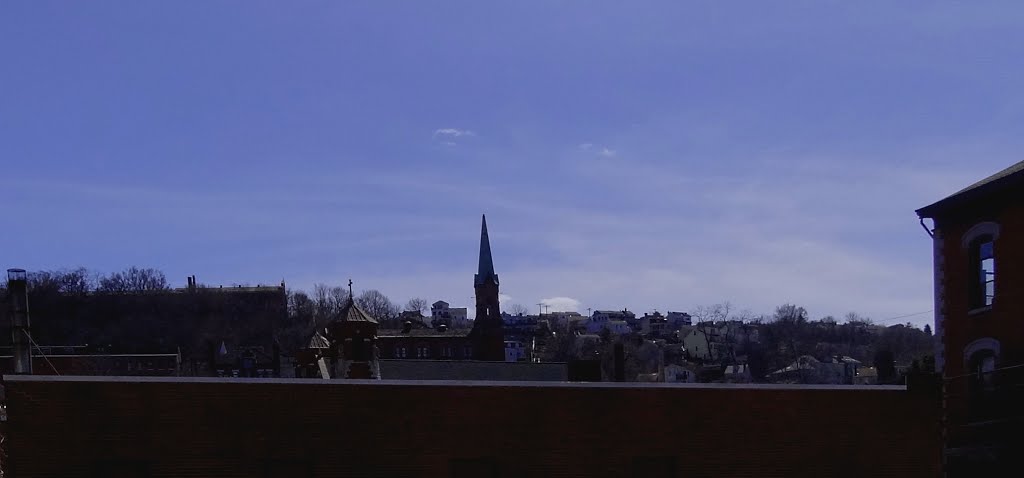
485,270
487,336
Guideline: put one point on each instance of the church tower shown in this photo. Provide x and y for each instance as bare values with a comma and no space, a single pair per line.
488,334
354,342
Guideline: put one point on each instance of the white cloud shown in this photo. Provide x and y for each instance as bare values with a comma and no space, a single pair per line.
596,149
561,304
453,132
504,299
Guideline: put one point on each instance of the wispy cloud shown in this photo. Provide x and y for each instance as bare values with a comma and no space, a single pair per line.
449,136
561,304
453,132
596,149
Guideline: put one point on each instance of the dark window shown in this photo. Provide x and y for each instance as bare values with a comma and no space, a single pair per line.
473,468
983,272
654,466
982,386
361,350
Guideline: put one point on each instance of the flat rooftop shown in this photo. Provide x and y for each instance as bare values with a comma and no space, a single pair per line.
444,383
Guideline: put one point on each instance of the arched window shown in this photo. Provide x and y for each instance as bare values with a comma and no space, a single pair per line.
980,244
982,360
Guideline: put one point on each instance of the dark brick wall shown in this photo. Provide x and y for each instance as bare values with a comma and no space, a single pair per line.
68,427
1002,322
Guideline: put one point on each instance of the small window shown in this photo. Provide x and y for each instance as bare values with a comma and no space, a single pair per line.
983,272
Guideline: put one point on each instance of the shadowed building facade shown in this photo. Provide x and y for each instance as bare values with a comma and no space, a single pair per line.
978,245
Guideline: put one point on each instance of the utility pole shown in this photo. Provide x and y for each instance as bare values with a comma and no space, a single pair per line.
546,308
539,305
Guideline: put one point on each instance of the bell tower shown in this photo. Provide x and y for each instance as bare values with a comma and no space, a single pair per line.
354,342
488,334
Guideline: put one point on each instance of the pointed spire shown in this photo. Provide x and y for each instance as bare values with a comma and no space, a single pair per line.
485,270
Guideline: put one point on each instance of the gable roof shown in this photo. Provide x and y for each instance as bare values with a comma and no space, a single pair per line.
1001,181
318,342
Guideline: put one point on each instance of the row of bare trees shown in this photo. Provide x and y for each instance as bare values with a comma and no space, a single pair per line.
82,281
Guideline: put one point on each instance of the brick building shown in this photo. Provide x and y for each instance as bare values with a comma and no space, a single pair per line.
217,331
486,339
71,427
978,243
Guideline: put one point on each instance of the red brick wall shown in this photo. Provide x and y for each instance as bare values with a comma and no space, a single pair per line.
66,427
1003,321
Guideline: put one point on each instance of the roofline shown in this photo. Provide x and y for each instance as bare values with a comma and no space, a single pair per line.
446,383
970,194
34,355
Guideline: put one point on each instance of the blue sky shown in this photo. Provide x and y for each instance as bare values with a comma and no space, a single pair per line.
649,155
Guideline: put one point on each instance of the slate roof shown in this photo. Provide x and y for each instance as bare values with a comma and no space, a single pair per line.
485,269
1002,180
353,313
318,342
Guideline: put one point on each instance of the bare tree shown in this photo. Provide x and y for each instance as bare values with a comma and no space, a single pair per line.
339,296
133,280
377,304
416,304
518,309
712,313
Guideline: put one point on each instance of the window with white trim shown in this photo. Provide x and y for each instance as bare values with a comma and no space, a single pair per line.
983,271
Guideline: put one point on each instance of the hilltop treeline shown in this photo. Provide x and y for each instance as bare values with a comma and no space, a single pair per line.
136,310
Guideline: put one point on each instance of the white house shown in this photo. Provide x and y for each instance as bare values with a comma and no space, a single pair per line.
514,351
453,316
704,343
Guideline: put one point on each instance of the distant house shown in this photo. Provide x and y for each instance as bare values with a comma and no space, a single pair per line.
561,320
809,370
603,316
737,374
654,324
705,343
442,313
679,374
515,351
678,319
615,327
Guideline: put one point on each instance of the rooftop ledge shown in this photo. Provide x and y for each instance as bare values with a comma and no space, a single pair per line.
445,383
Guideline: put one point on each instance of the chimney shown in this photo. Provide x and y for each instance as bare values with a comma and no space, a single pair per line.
17,288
